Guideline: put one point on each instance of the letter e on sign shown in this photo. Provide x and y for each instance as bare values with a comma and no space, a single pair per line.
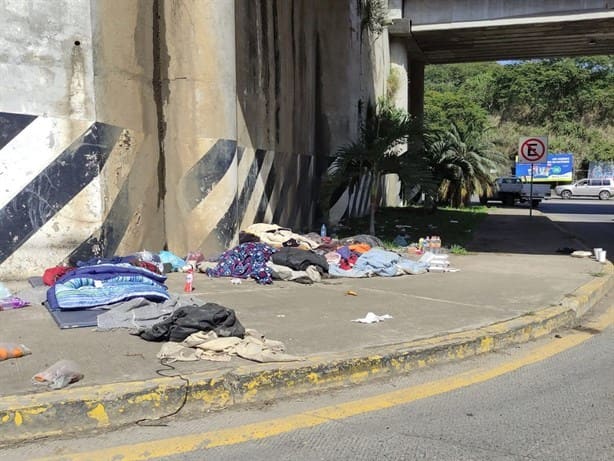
533,149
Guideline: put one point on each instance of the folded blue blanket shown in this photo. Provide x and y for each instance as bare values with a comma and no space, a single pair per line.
98,285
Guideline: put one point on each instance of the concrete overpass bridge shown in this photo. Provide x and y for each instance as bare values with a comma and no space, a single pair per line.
448,31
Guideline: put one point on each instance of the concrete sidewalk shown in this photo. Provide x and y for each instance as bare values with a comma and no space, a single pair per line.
496,299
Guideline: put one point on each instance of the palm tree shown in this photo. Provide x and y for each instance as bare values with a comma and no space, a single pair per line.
374,154
463,162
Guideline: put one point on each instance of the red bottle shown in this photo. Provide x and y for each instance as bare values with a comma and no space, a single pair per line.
189,278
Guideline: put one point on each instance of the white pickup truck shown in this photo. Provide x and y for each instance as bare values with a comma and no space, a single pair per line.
511,189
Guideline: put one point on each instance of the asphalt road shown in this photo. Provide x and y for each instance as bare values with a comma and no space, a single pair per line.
551,399
558,409
590,220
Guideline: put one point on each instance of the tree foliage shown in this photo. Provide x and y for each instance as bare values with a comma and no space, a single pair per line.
463,162
374,154
570,100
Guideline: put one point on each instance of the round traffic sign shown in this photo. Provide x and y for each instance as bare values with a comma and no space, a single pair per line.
533,150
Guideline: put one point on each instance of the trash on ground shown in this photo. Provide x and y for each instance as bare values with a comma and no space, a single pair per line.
581,254
401,241
351,293
59,375
12,302
13,351
4,291
373,318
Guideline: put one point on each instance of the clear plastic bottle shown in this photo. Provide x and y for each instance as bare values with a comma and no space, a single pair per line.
435,244
323,230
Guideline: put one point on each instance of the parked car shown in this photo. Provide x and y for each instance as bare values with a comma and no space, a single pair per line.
602,188
511,189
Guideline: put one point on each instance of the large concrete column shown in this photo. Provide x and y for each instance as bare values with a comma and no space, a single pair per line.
198,96
398,81
76,120
416,90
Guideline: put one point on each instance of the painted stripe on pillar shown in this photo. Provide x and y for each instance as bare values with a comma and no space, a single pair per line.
57,184
251,180
33,149
227,226
265,159
11,125
264,207
200,180
105,239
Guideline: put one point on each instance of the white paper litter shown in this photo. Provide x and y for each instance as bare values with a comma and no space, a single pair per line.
373,318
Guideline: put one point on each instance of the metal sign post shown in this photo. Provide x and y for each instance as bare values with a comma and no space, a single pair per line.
531,193
532,150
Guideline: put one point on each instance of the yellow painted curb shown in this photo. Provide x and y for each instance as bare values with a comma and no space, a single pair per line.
28,417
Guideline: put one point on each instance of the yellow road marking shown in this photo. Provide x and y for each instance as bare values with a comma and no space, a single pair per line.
188,443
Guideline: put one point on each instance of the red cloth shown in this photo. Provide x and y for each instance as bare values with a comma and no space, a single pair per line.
53,273
347,264
148,266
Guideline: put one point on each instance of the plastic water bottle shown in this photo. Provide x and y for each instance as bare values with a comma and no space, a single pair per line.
427,244
323,230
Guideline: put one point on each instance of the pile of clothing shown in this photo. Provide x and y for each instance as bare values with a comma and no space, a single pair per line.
268,252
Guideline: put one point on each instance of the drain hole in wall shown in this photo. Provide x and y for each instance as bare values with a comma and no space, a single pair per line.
77,43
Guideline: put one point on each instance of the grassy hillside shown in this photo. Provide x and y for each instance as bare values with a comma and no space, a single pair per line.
569,100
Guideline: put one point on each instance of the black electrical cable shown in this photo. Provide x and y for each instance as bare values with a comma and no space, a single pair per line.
151,421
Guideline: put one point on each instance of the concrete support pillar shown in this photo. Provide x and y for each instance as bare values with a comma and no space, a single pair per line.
399,81
416,90
399,72
198,95
78,133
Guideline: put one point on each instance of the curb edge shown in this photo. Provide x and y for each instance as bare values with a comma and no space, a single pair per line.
110,406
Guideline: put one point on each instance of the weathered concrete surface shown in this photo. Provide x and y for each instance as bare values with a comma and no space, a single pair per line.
125,90
46,55
78,128
196,98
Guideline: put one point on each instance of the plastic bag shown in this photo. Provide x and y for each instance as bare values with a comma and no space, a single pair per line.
169,258
13,351
4,291
12,302
59,375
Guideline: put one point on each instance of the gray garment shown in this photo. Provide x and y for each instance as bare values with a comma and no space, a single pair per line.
142,313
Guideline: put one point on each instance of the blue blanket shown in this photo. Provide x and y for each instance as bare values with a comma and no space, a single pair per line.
380,262
102,284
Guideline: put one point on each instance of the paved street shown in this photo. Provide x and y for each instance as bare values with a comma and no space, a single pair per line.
547,400
591,220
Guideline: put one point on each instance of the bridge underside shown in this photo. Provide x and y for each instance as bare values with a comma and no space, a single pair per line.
511,38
